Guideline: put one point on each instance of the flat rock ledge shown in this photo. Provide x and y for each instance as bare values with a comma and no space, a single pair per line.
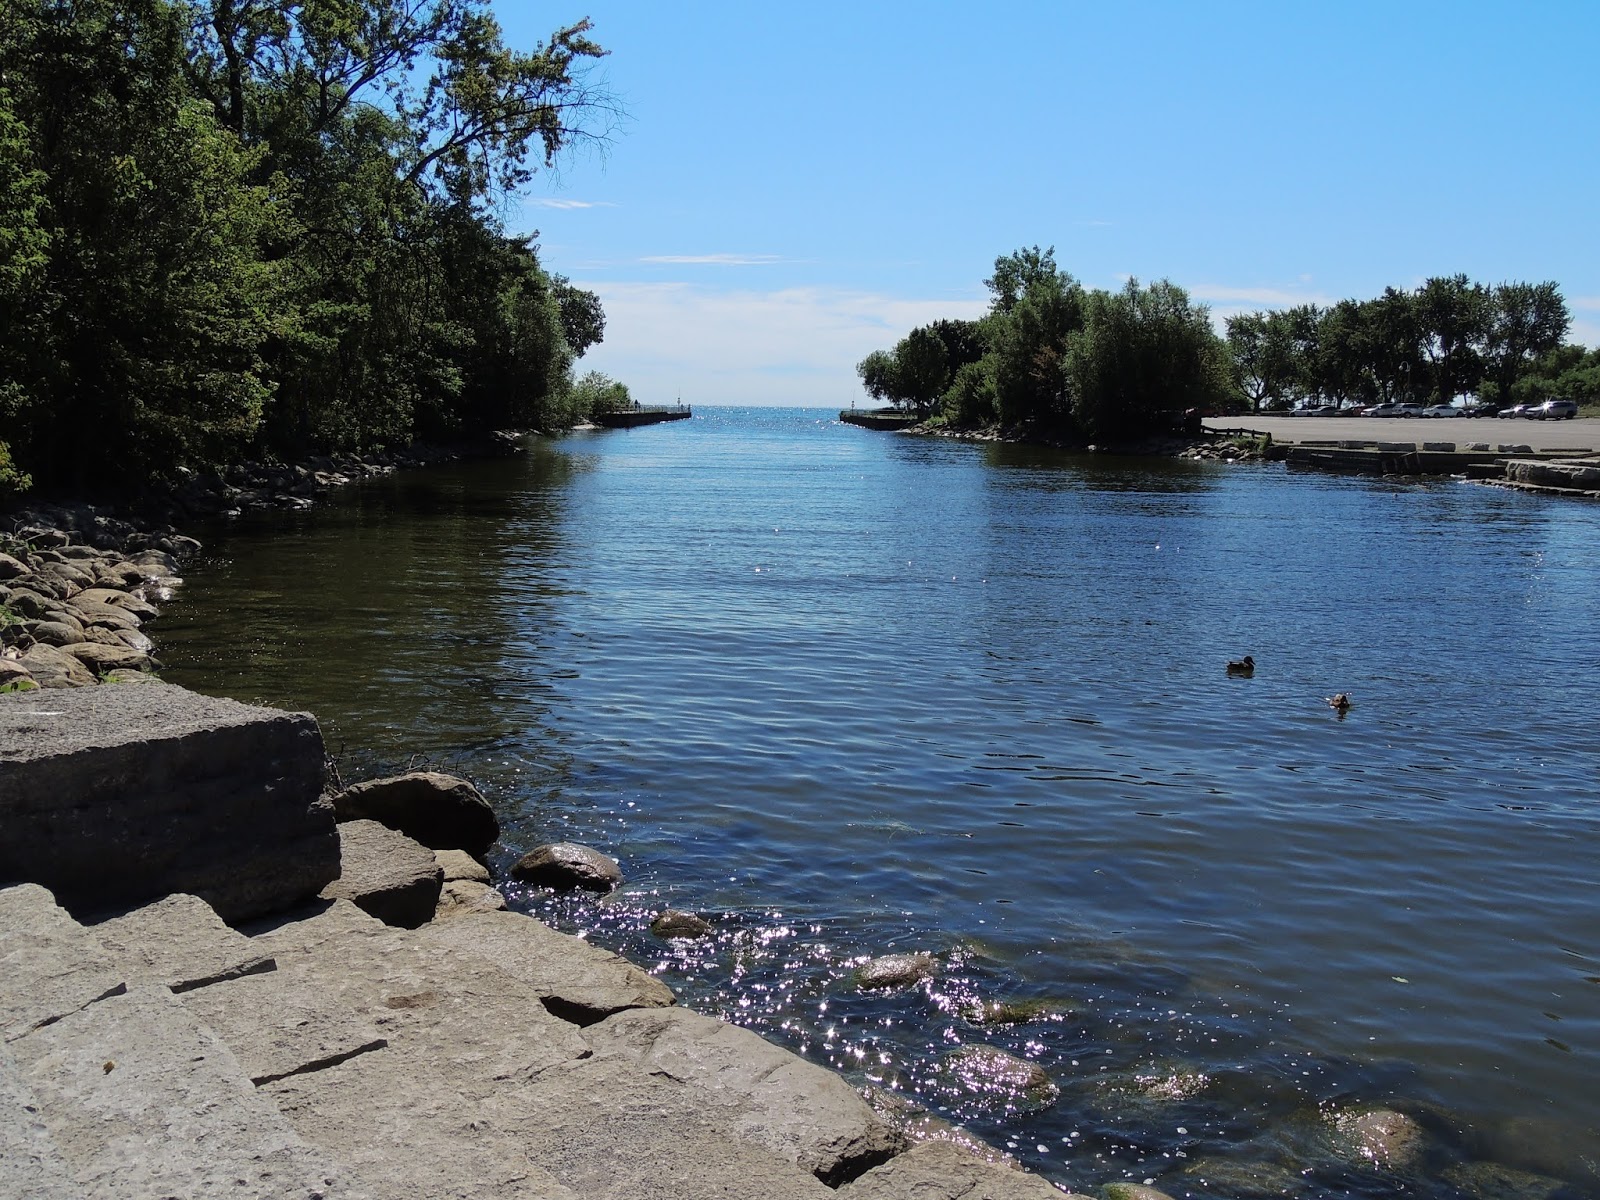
327,1055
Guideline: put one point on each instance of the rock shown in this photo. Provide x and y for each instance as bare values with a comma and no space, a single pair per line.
676,924
179,942
155,563
575,981
145,1101
92,612
437,810
799,1111
458,864
1380,1137
386,874
134,640
1012,1012
101,659
126,601
1133,1191
75,577
942,1171
894,971
989,1073
14,674
52,668
29,603
466,898
49,964
11,568
565,866
917,1124
171,792
55,633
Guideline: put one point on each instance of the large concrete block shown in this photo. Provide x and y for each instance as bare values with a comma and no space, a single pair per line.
113,796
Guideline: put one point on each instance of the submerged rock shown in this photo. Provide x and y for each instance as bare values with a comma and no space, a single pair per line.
1011,1012
1380,1137
1133,1191
674,923
567,865
990,1073
894,971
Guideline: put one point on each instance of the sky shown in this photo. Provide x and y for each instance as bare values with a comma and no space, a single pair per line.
794,186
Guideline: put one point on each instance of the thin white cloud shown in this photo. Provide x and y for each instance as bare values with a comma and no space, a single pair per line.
1585,333
793,346
1589,303
557,202
1270,297
719,260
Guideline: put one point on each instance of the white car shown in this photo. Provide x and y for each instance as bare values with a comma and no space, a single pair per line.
1443,410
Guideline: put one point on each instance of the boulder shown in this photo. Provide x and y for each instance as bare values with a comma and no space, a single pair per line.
93,612
676,924
126,601
134,639
11,568
155,563
171,792
55,633
895,971
13,672
1380,1137
1121,1190
466,898
386,874
458,864
565,866
101,659
51,668
439,811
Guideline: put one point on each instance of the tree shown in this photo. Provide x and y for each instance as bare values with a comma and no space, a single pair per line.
1453,319
1263,358
1526,321
1145,356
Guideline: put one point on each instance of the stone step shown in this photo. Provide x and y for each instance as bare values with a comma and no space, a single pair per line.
142,1100
180,942
50,966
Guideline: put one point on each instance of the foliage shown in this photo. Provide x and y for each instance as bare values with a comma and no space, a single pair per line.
597,393
237,227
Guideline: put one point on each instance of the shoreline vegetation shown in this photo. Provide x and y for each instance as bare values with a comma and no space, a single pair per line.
1059,364
241,232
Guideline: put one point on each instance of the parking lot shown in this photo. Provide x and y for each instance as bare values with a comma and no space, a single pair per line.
1580,433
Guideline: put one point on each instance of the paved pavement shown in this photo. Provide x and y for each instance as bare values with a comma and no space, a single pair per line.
1579,433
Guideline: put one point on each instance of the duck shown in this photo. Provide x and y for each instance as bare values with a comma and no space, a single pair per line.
1339,702
1242,666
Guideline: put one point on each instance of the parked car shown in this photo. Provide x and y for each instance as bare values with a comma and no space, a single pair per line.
1443,410
1383,410
1517,410
1410,410
1323,410
1555,410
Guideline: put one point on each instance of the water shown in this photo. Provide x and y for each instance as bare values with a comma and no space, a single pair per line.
851,693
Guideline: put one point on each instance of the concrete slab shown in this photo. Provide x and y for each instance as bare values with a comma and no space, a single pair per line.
143,1101
50,966
577,981
761,1093
180,942
115,796
281,1024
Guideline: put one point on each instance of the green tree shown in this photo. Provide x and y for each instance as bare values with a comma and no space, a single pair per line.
1145,356
1453,316
1527,321
1263,358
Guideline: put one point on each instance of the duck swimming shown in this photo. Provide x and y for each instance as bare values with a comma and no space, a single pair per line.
1245,666
1339,702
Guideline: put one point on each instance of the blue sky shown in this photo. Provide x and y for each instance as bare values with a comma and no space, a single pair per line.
797,185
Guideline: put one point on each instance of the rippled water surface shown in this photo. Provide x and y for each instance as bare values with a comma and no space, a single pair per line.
851,693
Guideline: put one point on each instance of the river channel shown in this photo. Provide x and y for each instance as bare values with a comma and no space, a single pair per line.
850,693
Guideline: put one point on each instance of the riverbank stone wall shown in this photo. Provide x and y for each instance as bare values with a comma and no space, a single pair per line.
118,795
